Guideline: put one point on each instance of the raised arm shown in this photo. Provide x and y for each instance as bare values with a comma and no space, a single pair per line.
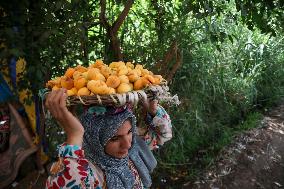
72,170
159,127
56,104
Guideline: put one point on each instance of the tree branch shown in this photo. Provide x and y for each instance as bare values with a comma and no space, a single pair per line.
168,56
122,16
103,18
176,66
112,30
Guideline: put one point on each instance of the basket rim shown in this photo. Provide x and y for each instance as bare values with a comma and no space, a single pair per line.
159,92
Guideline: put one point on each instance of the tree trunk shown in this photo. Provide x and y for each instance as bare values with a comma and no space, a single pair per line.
112,30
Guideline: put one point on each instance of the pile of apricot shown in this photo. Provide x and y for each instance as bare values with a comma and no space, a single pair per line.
100,78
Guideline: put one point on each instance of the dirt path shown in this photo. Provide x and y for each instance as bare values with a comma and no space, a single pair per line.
254,161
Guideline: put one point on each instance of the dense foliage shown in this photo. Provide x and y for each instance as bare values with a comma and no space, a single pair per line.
224,59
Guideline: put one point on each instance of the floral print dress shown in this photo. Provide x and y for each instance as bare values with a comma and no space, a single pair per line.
74,171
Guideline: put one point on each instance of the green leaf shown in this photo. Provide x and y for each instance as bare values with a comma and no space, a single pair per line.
231,38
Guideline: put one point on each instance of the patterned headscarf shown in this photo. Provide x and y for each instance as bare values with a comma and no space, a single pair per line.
98,130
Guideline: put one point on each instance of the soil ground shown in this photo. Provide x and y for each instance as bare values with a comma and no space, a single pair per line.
254,160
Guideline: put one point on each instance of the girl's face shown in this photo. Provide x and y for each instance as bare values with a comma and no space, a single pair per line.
120,143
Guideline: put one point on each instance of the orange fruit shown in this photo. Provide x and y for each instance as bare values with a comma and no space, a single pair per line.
72,92
130,65
98,87
139,67
69,72
150,78
80,82
133,76
83,92
92,72
81,69
145,72
98,64
158,79
124,79
77,74
66,82
123,88
111,90
113,81
140,83
106,71
123,70
116,64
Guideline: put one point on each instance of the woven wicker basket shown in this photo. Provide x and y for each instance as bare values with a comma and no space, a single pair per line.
160,92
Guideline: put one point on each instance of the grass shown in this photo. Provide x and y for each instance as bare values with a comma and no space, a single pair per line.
221,96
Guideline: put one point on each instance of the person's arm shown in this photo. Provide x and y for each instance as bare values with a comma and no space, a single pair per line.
72,170
159,127
56,104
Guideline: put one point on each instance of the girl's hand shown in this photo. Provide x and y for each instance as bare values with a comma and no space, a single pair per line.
56,104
